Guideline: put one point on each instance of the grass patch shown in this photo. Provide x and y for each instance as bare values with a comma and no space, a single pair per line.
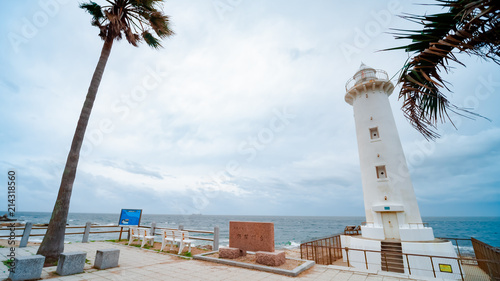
7,263
87,261
147,246
2,246
187,254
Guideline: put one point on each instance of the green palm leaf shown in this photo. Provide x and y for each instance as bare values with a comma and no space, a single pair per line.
468,26
132,19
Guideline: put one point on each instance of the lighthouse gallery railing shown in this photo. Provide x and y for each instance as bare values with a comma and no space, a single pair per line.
379,75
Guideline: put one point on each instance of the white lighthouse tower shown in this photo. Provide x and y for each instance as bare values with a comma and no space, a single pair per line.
393,222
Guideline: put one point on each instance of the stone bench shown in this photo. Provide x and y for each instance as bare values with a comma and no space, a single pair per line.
271,258
106,258
27,268
71,263
230,253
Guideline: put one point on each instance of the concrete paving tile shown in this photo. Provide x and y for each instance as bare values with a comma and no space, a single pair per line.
390,278
140,264
323,277
91,277
358,277
76,277
343,276
374,278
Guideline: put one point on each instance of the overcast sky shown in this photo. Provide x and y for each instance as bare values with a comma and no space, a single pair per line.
242,112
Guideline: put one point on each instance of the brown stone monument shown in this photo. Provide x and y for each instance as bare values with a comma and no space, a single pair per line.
251,236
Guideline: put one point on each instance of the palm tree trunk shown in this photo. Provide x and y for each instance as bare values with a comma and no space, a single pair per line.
53,241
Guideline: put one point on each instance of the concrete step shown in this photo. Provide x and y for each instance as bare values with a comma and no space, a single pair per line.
393,269
392,257
395,247
389,261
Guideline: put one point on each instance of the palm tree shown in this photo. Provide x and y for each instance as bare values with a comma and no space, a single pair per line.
469,26
134,19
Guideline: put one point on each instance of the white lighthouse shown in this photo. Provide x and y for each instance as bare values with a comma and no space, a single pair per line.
393,223
389,198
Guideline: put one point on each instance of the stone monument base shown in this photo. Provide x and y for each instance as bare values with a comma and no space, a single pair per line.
231,253
271,258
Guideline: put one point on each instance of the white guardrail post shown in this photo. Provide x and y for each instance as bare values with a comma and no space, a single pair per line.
216,239
86,234
152,229
26,234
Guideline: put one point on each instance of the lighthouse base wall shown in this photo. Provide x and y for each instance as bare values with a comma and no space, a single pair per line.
429,259
420,234
405,233
357,257
372,232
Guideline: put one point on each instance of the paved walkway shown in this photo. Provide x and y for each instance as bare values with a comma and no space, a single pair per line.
141,264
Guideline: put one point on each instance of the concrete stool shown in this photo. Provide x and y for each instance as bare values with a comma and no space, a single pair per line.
71,263
271,258
230,253
106,258
27,268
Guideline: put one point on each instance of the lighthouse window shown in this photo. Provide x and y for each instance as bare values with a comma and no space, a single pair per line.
381,173
374,133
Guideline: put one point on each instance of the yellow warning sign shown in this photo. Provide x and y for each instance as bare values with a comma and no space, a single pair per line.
445,268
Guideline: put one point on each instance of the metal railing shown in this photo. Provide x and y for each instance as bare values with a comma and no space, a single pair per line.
461,243
379,75
459,266
322,251
327,250
88,227
483,252
418,225
411,225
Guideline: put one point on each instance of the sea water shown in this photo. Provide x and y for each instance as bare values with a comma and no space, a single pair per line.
289,231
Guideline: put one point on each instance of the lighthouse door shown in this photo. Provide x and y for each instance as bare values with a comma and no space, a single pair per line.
391,225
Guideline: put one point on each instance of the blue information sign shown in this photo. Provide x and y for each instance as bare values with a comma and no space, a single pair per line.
130,217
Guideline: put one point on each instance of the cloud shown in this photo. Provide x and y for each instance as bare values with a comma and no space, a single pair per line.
194,127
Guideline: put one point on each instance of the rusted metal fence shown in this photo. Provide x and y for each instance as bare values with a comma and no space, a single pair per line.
322,251
488,258
460,268
463,246
329,249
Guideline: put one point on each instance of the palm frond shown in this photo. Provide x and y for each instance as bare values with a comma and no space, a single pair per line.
160,24
151,40
469,26
131,19
93,8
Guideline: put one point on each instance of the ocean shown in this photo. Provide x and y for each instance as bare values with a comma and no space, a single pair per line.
289,231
